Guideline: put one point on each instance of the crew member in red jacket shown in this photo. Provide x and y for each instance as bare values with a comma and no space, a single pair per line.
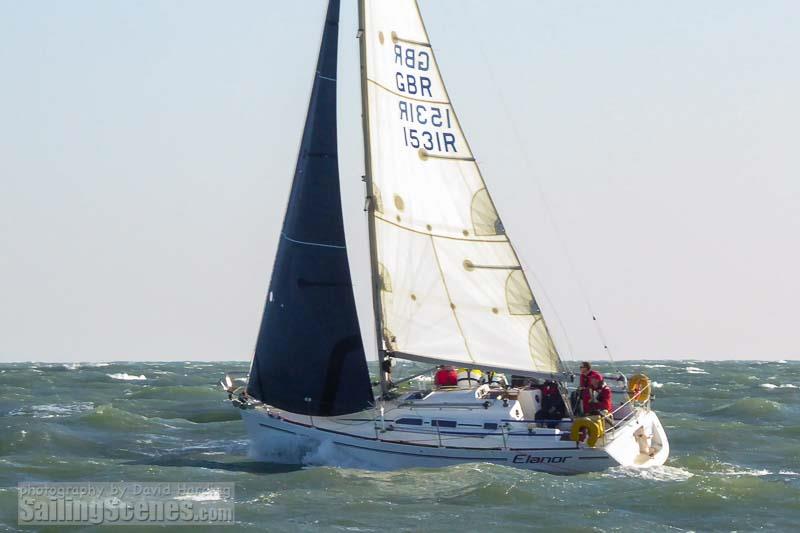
601,400
587,375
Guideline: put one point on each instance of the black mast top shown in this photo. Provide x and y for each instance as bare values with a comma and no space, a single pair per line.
309,356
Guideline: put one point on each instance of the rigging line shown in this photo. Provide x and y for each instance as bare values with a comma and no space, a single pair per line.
548,212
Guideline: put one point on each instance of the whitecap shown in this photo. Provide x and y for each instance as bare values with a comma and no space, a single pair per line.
747,472
769,386
71,366
657,366
656,384
736,470
695,370
782,386
781,361
126,377
52,410
788,473
653,473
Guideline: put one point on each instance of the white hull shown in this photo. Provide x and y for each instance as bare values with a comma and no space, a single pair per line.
363,442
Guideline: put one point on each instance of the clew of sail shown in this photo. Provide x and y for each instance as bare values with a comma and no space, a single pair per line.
451,286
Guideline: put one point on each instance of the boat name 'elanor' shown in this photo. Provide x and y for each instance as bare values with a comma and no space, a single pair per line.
525,458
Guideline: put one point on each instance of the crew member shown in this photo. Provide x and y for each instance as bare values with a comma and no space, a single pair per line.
585,388
446,376
600,403
552,404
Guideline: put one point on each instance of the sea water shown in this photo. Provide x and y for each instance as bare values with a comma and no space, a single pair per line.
734,430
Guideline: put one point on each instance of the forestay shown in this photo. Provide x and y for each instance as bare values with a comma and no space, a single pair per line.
451,285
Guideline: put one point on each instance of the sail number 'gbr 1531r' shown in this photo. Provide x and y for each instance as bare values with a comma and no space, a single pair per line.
429,119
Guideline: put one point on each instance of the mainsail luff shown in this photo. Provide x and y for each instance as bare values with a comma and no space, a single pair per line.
371,201
444,265
309,356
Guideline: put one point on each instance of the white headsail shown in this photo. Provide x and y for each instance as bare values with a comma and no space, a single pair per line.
451,285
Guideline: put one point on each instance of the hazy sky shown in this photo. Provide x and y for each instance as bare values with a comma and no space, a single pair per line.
147,148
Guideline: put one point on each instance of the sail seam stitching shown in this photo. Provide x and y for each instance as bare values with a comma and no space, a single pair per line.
325,77
385,88
308,243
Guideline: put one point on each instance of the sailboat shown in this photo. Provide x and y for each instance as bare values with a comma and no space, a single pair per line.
448,290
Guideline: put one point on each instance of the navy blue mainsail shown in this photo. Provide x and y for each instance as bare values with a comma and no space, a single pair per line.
309,356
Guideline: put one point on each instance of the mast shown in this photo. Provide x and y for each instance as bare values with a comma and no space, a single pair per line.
370,200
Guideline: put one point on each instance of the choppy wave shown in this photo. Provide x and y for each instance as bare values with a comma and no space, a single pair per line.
751,409
733,441
108,417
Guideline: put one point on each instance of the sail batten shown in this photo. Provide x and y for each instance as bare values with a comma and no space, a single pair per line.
458,293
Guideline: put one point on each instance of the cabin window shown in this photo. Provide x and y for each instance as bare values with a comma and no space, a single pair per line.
444,423
490,425
409,421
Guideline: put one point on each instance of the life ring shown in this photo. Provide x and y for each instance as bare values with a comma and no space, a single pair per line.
639,388
594,428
